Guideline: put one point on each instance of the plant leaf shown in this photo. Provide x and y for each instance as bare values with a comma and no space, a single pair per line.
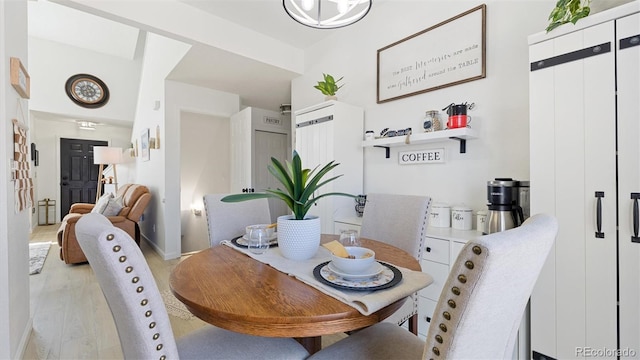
245,197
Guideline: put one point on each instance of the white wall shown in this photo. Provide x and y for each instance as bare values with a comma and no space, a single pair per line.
53,63
46,135
500,116
160,57
161,222
205,167
15,323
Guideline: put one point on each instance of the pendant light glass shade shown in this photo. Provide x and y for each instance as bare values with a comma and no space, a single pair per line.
327,14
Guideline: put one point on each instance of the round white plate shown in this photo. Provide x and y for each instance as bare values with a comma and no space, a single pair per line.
375,269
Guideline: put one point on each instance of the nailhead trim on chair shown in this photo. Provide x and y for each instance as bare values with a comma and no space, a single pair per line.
139,289
469,270
423,235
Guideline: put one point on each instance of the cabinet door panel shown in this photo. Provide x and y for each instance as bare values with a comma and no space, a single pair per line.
628,181
439,272
241,151
436,250
572,157
600,174
427,307
569,189
542,168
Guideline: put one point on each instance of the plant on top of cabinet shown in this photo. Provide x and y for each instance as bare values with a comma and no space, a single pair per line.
568,11
329,86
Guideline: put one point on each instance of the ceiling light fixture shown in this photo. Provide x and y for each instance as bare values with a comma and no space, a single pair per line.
321,14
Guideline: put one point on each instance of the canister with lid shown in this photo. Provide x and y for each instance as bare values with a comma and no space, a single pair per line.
432,121
461,217
440,215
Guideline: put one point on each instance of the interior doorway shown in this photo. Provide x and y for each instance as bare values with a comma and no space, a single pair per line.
204,169
78,174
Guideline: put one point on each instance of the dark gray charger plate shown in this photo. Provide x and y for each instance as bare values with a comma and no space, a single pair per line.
397,277
234,241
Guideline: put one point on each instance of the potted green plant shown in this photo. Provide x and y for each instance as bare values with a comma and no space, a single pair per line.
568,11
329,86
299,233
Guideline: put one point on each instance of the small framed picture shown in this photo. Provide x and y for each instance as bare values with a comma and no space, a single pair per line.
144,145
20,79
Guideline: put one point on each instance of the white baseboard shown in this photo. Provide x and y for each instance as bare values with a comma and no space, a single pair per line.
24,340
163,255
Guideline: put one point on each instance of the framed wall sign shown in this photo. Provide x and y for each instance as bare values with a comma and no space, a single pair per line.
20,79
430,156
449,53
144,145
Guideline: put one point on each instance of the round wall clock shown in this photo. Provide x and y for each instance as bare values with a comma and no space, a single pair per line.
87,91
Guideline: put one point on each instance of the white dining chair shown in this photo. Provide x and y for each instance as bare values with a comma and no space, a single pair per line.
479,310
399,220
140,314
228,220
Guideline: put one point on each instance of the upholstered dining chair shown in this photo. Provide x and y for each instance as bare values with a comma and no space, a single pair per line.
479,310
228,220
140,314
399,220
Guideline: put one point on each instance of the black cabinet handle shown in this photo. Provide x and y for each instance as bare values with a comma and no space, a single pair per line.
636,215
599,196
428,249
427,318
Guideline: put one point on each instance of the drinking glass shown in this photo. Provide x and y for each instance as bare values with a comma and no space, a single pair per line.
349,238
258,240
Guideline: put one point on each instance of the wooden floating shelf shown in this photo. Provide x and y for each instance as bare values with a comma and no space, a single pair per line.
461,134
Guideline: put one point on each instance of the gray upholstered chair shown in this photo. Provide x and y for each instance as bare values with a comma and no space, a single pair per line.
140,314
481,305
228,220
399,220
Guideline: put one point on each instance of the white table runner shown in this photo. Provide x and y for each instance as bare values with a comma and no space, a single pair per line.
366,302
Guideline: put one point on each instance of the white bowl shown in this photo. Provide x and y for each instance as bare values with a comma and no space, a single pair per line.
364,258
263,226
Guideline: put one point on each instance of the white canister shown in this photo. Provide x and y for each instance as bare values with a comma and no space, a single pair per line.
481,221
461,218
440,215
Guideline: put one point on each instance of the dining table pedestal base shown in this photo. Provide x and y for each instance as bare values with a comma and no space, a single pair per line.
313,344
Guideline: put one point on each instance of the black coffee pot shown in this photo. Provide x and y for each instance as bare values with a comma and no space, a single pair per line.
458,109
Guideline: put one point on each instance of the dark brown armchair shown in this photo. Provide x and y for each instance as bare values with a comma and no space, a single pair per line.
135,199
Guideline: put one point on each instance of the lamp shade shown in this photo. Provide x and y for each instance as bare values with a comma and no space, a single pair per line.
107,155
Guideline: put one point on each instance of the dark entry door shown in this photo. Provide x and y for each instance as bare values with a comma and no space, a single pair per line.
78,174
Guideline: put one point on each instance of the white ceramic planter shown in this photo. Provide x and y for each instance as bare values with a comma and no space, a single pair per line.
298,239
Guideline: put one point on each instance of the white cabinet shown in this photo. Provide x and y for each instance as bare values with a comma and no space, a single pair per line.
347,223
442,246
332,131
585,173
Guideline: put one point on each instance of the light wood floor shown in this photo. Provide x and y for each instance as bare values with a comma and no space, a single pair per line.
71,318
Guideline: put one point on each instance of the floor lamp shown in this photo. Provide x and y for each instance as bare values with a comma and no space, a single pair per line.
106,155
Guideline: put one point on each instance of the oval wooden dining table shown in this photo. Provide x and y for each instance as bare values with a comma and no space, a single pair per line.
229,289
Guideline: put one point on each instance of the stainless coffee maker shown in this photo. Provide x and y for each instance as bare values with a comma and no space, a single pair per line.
506,198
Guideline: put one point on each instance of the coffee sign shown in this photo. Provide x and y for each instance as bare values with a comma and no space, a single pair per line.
431,156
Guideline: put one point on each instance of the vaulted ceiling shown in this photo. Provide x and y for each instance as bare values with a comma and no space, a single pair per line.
258,84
